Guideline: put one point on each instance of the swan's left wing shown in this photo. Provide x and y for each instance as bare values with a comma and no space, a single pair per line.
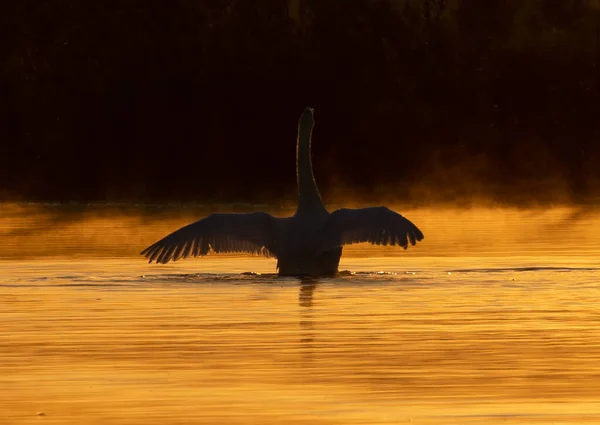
253,233
377,225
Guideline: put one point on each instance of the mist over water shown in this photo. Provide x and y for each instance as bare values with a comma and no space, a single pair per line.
492,318
122,230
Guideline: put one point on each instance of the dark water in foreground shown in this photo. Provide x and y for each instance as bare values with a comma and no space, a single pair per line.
507,333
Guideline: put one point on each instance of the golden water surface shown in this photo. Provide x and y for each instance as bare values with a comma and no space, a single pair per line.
493,319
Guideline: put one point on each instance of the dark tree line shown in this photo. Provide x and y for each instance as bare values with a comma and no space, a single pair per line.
198,99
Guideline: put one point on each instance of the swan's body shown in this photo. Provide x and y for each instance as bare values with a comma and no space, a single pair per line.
308,243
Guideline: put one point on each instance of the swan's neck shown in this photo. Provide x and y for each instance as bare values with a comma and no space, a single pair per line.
309,199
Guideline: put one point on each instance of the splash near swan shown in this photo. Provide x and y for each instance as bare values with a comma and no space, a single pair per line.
308,243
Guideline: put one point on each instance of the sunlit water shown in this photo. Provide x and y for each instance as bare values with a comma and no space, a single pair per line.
493,318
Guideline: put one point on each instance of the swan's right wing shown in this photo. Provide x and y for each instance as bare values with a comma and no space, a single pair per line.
377,225
253,233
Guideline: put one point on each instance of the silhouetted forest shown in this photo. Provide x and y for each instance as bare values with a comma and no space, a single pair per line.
198,100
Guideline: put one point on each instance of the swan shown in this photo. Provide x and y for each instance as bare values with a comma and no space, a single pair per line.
309,243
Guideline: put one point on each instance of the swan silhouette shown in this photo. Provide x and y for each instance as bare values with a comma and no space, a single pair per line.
309,243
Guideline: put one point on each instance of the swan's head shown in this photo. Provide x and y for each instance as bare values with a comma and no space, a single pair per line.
307,119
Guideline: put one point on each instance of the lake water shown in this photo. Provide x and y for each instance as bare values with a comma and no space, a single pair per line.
493,319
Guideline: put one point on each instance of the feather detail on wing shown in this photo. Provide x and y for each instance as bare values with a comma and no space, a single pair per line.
252,233
377,225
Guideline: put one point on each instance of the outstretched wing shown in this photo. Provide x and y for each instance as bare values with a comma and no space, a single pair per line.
253,233
377,225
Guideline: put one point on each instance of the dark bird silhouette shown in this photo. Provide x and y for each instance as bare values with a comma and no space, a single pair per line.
309,243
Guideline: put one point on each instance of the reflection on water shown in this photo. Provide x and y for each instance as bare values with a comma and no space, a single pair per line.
505,334
307,288
305,300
